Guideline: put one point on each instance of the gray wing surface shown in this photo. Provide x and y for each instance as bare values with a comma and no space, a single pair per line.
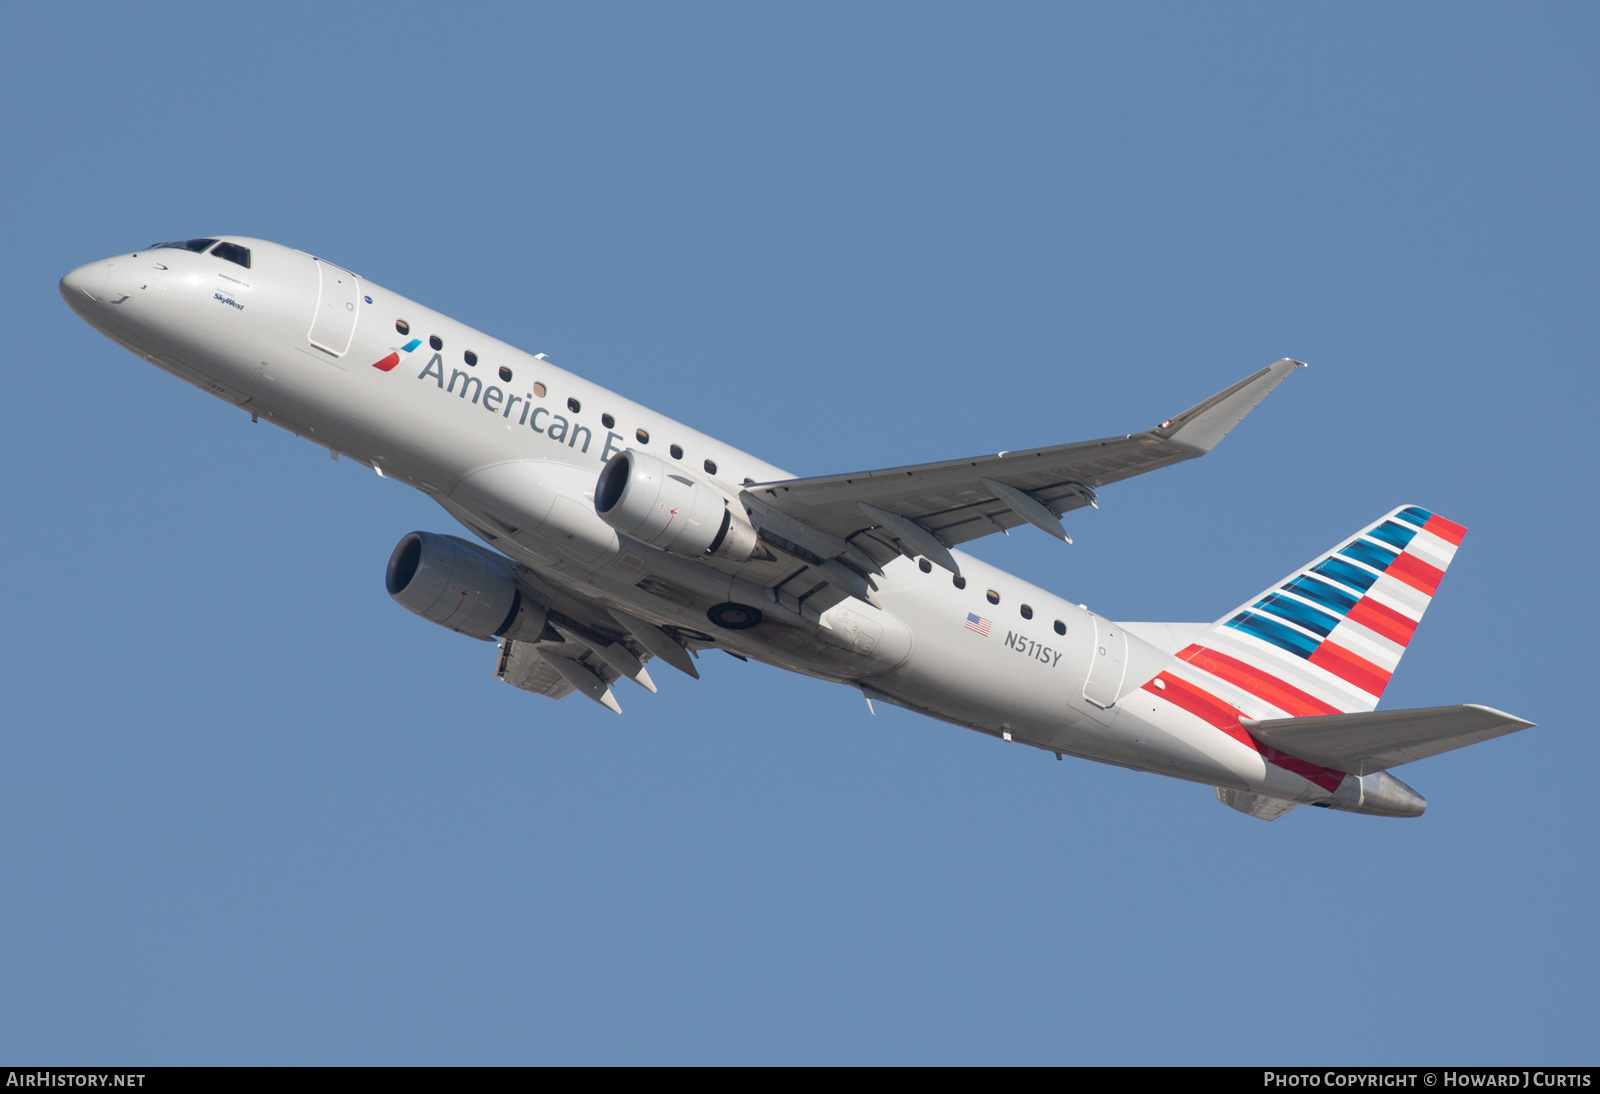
916,510
1361,744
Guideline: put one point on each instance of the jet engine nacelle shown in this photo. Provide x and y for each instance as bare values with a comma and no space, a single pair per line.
657,503
450,582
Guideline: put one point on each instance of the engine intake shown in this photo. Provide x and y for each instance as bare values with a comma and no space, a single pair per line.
462,588
666,507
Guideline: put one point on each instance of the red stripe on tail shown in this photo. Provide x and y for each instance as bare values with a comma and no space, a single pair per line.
1325,777
1384,620
1447,530
1224,716
1263,685
1416,573
1202,704
1350,668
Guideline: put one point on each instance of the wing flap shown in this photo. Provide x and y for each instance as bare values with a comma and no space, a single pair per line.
557,669
522,667
1371,741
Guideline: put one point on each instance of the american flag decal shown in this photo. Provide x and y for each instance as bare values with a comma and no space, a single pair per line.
977,623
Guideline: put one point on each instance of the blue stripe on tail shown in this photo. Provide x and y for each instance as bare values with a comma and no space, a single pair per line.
1363,551
1268,630
1341,571
1302,614
1323,593
1395,535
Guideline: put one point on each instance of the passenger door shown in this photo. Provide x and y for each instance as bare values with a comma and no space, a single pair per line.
338,296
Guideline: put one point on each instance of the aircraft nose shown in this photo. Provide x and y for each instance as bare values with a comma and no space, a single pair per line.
85,286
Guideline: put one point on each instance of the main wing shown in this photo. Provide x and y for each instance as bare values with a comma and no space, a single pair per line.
860,521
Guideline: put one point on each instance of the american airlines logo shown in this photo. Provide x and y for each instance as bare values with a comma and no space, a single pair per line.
393,359
502,403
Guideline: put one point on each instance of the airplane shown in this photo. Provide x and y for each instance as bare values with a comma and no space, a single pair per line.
607,535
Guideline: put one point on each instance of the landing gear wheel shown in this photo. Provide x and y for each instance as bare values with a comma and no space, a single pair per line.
734,617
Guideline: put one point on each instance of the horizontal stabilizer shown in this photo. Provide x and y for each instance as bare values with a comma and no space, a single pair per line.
1360,744
1259,806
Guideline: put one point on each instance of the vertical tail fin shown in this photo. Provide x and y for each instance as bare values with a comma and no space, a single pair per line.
1326,639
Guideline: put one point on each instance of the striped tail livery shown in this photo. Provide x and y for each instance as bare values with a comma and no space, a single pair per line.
1296,674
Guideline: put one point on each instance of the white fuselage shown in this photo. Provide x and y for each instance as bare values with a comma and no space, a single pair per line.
512,445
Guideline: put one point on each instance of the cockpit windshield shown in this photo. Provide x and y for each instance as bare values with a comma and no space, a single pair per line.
230,251
233,253
195,245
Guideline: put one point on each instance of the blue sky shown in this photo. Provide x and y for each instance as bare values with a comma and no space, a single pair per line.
255,812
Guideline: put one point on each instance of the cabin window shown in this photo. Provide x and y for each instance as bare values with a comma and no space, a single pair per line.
402,326
435,341
994,597
470,358
643,435
677,451
573,405
958,581
1061,628
924,565
538,389
1027,612
710,466
233,253
607,420
505,374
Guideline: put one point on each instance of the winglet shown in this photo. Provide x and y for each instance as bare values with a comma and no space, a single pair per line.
1204,424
